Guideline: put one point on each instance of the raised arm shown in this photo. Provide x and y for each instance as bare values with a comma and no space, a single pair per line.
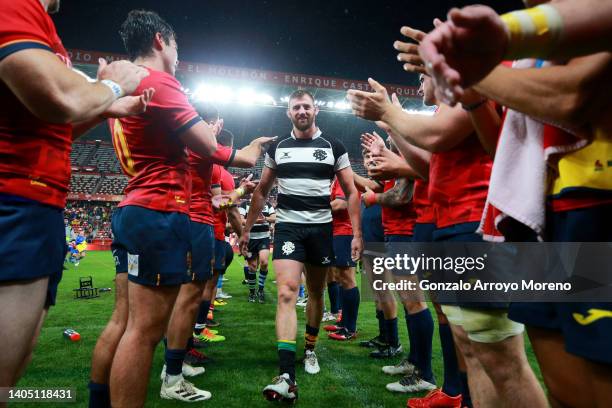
60,95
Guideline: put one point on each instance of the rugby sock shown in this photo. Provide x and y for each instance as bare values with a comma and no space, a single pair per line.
174,362
220,282
350,308
452,379
252,280
391,329
422,331
99,395
201,319
286,357
301,292
333,289
466,398
245,269
263,274
411,339
382,332
310,337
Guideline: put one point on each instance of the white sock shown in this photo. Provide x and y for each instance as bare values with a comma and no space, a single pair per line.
173,379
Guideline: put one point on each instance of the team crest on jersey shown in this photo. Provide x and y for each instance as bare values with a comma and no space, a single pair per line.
319,154
288,247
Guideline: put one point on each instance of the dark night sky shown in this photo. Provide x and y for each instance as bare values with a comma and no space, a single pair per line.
346,39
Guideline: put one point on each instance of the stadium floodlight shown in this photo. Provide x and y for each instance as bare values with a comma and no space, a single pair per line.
246,96
213,93
265,99
342,105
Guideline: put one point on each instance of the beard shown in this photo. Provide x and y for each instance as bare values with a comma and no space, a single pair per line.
53,7
303,125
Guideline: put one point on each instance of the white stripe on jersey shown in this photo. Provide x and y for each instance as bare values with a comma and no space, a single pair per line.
304,217
303,187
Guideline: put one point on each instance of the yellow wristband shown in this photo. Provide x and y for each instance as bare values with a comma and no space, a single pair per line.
240,191
534,32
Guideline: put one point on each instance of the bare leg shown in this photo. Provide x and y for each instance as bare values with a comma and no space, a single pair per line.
21,311
149,311
184,314
288,274
571,381
106,346
316,278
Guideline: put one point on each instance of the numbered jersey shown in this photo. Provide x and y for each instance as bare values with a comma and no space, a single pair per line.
261,228
150,151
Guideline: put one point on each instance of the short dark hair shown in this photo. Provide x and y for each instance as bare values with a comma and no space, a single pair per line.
300,93
138,32
225,138
207,111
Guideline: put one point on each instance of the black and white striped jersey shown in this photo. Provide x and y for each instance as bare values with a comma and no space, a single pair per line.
305,169
259,230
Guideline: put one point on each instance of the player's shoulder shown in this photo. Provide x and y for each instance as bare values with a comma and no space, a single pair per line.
279,142
160,81
282,140
336,145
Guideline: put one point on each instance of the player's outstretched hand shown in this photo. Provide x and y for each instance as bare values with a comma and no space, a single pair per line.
248,184
463,50
221,201
409,52
373,143
130,105
385,166
126,74
243,243
356,249
369,105
263,142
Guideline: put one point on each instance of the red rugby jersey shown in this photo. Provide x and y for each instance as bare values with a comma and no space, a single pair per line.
34,154
420,200
341,222
398,220
150,150
459,182
201,169
226,181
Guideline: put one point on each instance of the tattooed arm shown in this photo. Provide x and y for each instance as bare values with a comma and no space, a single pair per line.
399,195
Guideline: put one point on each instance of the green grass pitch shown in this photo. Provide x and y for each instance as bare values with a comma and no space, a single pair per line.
243,364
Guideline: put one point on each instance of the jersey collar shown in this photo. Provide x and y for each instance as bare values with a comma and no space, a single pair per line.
317,134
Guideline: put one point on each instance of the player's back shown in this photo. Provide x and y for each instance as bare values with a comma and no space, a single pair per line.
150,150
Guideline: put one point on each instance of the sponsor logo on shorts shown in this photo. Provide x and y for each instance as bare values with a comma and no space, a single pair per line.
288,247
326,260
133,264
593,316
116,257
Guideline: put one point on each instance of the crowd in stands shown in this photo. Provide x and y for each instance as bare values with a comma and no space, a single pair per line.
90,219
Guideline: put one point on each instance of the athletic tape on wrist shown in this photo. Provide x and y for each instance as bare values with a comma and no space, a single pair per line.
114,87
534,32
370,199
240,191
